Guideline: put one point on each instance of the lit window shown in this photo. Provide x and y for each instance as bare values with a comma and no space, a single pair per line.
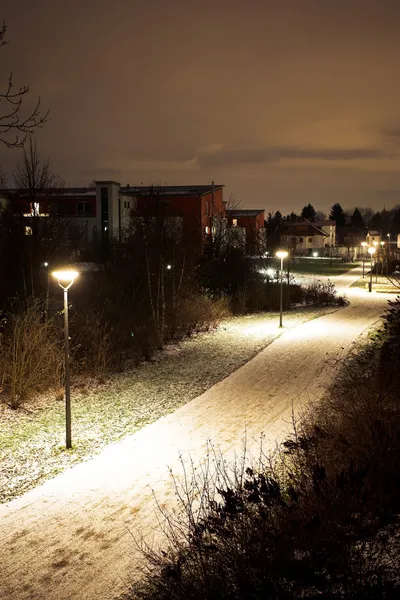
28,230
207,230
234,222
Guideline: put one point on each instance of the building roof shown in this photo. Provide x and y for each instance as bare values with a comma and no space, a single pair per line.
245,213
170,190
325,222
62,192
302,228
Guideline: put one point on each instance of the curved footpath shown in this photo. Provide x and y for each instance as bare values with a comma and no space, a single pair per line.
73,537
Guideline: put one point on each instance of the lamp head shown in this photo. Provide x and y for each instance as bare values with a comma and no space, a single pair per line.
364,244
66,277
282,254
371,250
375,243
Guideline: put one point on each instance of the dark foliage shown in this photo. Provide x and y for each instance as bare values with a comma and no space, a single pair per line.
322,520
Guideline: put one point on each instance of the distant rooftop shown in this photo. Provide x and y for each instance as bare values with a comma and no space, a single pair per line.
245,213
170,190
68,191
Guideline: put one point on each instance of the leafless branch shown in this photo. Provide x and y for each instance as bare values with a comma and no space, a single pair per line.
15,124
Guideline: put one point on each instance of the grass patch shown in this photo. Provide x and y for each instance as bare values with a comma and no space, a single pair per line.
32,439
381,285
310,266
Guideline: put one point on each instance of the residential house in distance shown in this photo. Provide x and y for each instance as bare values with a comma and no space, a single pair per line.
373,237
107,209
304,237
197,207
247,227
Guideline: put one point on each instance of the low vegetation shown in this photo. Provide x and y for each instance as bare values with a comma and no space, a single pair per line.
318,520
32,439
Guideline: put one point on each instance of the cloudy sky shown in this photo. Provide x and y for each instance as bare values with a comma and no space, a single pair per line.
284,101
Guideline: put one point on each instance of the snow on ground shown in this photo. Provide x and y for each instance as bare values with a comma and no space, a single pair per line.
32,440
72,538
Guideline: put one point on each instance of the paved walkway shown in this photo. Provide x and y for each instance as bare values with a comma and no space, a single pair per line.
72,538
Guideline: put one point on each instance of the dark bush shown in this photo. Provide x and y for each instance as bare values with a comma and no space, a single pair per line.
321,520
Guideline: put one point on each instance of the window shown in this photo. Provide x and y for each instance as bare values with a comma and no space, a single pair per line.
28,230
84,208
234,222
301,240
207,230
310,240
206,209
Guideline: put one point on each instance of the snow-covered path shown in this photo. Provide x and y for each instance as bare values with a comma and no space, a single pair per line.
71,538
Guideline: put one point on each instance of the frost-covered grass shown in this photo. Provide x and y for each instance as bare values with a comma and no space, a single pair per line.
32,439
379,284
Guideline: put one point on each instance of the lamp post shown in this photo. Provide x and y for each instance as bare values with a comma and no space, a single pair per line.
371,251
364,245
281,254
381,259
65,279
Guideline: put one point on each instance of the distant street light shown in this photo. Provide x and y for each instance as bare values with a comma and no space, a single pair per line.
65,280
364,245
371,251
281,254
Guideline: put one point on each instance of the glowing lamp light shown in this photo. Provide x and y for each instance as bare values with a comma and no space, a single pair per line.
68,277
371,250
375,243
364,244
169,267
281,254
382,243
315,254
270,272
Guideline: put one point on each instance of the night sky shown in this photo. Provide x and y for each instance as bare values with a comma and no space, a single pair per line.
284,101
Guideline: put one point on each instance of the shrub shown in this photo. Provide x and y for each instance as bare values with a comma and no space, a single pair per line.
320,292
198,312
318,520
92,345
31,355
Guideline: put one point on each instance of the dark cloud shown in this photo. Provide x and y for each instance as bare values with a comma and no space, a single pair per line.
275,154
304,95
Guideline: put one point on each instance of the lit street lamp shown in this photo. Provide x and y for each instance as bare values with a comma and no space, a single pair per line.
65,280
281,254
364,245
371,252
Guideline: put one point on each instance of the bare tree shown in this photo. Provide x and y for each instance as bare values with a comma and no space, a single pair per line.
36,182
15,122
33,176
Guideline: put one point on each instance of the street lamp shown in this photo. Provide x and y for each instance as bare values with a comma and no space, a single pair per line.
281,254
65,279
364,245
371,251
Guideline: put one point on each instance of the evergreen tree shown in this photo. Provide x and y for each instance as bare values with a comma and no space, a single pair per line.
308,212
376,221
337,214
357,219
292,218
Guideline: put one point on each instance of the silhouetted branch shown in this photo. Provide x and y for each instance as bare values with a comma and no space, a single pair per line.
14,121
